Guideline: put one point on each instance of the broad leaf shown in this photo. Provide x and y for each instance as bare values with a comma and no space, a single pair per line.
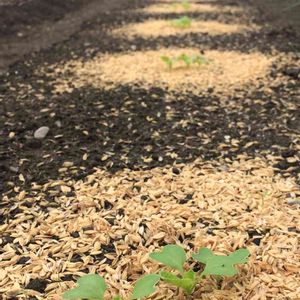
167,60
187,282
221,264
145,286
172,256
91,286
183,22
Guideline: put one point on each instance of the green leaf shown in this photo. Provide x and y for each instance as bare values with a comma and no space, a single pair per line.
117,298
186,5
172,256
199,59
91,286
183,22
186,59
145,286
167,60
187,282
221,264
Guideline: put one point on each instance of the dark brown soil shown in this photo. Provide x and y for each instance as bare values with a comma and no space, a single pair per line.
31,25
20,16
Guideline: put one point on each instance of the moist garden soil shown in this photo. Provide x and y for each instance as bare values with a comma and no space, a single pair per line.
129,127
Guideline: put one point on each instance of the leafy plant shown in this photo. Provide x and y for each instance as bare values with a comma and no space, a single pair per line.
183,22
184,4
221,265
187,59
93,286
168,61
174,256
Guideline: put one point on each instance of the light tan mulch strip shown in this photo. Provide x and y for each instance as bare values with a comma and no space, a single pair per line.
224,71
155,28
232,198
165,8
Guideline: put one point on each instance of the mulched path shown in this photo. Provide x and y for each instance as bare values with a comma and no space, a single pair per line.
129,168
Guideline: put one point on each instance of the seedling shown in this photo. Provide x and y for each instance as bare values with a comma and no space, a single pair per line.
168,61
187,59
93,286
184,4
183,22
174,256
221,265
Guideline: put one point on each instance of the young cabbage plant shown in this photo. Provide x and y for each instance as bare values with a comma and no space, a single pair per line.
174,256
168,61
221,265
93,287
187,59
183,22
184,4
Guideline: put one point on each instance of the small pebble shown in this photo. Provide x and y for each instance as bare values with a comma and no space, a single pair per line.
58,124
41,132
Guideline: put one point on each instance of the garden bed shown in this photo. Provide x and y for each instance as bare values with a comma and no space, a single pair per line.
140,154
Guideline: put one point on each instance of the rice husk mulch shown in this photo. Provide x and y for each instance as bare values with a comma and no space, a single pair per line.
224,70
167,8
156,28
109,223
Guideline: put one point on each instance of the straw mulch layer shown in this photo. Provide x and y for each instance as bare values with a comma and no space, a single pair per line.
161,8
224,70
109,223
155,28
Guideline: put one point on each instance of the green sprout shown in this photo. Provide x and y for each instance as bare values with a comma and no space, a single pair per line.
93,286
221,265
168,61
183,22
184,4
174,256
187,59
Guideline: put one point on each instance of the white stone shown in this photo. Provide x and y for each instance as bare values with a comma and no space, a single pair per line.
41,132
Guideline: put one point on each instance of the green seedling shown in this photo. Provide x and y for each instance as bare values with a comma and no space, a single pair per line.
174,256
184,4
221,265
183,22
93,287
187,59
168,61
